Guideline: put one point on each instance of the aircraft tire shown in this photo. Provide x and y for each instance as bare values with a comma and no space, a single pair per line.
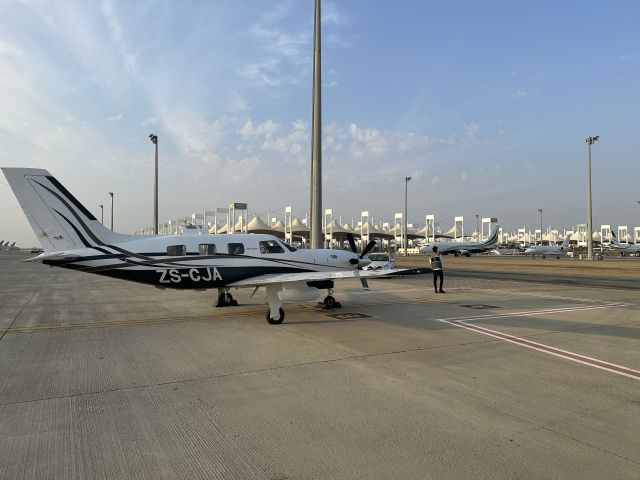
329,302
275,322
226,300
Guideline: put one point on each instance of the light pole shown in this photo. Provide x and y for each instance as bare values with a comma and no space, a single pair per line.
477,227
154,139
316,136
111,193
406,238
590,141
540,212
102,214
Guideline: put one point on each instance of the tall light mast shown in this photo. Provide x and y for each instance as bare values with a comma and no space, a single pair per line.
316,138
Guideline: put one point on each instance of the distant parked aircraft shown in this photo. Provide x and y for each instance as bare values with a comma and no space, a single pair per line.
7,247
623,247
463,248
550,250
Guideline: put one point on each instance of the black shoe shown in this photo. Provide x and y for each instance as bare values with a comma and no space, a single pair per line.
436,291
441,291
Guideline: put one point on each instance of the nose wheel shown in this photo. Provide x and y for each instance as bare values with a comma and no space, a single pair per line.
272,320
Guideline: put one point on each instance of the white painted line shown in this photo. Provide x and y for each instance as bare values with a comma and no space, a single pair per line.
574,357
532,294
542,311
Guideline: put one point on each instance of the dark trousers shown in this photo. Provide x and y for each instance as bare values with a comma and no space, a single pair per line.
437,274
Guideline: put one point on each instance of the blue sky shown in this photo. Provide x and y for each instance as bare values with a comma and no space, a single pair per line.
485,104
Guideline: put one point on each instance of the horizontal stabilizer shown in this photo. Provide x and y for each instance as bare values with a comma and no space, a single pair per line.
53,256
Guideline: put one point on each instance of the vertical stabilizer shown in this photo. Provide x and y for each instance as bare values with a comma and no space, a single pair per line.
58,219
493,236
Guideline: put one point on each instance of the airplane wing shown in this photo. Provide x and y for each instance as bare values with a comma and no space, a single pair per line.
272,278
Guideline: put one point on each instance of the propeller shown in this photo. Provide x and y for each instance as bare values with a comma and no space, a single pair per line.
368,248
354,249
356,261
352,242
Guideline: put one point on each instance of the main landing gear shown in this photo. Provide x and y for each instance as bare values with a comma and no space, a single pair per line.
275,313
330,302
225,299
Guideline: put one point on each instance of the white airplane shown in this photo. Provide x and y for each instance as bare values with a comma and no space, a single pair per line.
463,248
550,250
623,247
73,238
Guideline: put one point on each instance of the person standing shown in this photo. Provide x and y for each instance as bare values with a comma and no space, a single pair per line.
436,266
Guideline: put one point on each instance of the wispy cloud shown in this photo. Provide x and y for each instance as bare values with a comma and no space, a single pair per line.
285,45
114,118
628,56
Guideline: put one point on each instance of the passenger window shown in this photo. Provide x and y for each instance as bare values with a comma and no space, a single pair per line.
270,246
207,249
236,248
176,250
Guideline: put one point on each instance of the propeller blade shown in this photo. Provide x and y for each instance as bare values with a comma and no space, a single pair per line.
368,248
365,284
352,242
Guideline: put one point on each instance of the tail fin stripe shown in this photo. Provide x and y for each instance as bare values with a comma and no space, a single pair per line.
71,198
84,240
84,226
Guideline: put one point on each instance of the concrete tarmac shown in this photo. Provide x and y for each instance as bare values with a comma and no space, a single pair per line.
499,378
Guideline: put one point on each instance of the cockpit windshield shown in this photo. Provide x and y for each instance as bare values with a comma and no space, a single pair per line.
288,247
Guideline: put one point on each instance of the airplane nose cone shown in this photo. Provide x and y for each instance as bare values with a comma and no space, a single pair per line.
363,262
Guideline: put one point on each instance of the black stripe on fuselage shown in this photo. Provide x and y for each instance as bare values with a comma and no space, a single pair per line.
141,256
185,275
285,261
174,262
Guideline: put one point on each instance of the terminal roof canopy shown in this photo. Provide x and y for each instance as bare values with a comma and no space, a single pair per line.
375,232
299,228
256,225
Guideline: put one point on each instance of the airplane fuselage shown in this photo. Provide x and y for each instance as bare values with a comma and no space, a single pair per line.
199,261
551,250
629,247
